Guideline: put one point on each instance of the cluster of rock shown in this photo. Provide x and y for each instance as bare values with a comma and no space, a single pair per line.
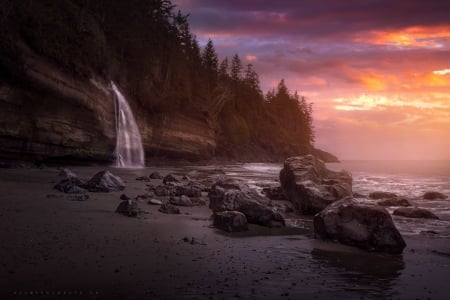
327,194
306,183
338,216
103,181
234,204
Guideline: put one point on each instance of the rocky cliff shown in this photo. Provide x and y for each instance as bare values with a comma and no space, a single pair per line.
46,113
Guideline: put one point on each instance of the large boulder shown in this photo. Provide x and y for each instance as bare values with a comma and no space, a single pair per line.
414,212
228,195
310,186
231,221
365,226
105,181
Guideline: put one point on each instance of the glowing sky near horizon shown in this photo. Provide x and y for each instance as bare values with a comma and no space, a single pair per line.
378,72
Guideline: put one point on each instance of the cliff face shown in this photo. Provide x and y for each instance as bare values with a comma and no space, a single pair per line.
178,136
46,113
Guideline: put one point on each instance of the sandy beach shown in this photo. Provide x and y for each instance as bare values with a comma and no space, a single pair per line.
54,248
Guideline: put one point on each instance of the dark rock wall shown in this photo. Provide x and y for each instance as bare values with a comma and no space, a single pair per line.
46,113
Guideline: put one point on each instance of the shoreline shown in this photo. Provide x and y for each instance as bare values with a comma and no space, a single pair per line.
54,244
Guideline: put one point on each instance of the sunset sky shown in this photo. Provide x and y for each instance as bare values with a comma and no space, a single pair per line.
378,72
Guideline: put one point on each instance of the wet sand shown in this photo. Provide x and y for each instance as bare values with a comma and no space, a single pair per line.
53,248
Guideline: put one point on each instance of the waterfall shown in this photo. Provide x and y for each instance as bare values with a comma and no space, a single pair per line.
129,150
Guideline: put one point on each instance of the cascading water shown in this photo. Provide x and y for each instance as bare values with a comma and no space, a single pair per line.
129,150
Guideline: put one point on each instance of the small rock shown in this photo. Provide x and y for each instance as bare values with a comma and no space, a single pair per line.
198,201
274,193
124,197
188,190
67,173
162,191
231,221
156,175
432,195
155,202
170,178
105,181
414,212
143,178
181,201
169,209
128,208
358,195
78,197
144,196
72,185
54,196
382,195
394,202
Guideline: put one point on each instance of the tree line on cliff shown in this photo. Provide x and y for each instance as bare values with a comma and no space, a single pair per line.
149,49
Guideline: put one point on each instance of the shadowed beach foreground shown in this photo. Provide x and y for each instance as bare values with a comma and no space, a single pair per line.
60,249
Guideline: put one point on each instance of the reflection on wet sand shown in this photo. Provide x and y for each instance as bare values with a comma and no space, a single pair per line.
372,274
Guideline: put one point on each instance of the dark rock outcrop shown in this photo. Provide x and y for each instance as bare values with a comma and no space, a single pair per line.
364,226
231,221
310,186
433,195
105,181
128,208
414,212
382,195
169,209
394,202
230,195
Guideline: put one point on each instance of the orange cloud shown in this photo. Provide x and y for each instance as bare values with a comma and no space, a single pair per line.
377,81
416,36
374,82
250,57
382,102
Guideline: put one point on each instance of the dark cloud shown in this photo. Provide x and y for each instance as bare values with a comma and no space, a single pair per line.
312,19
